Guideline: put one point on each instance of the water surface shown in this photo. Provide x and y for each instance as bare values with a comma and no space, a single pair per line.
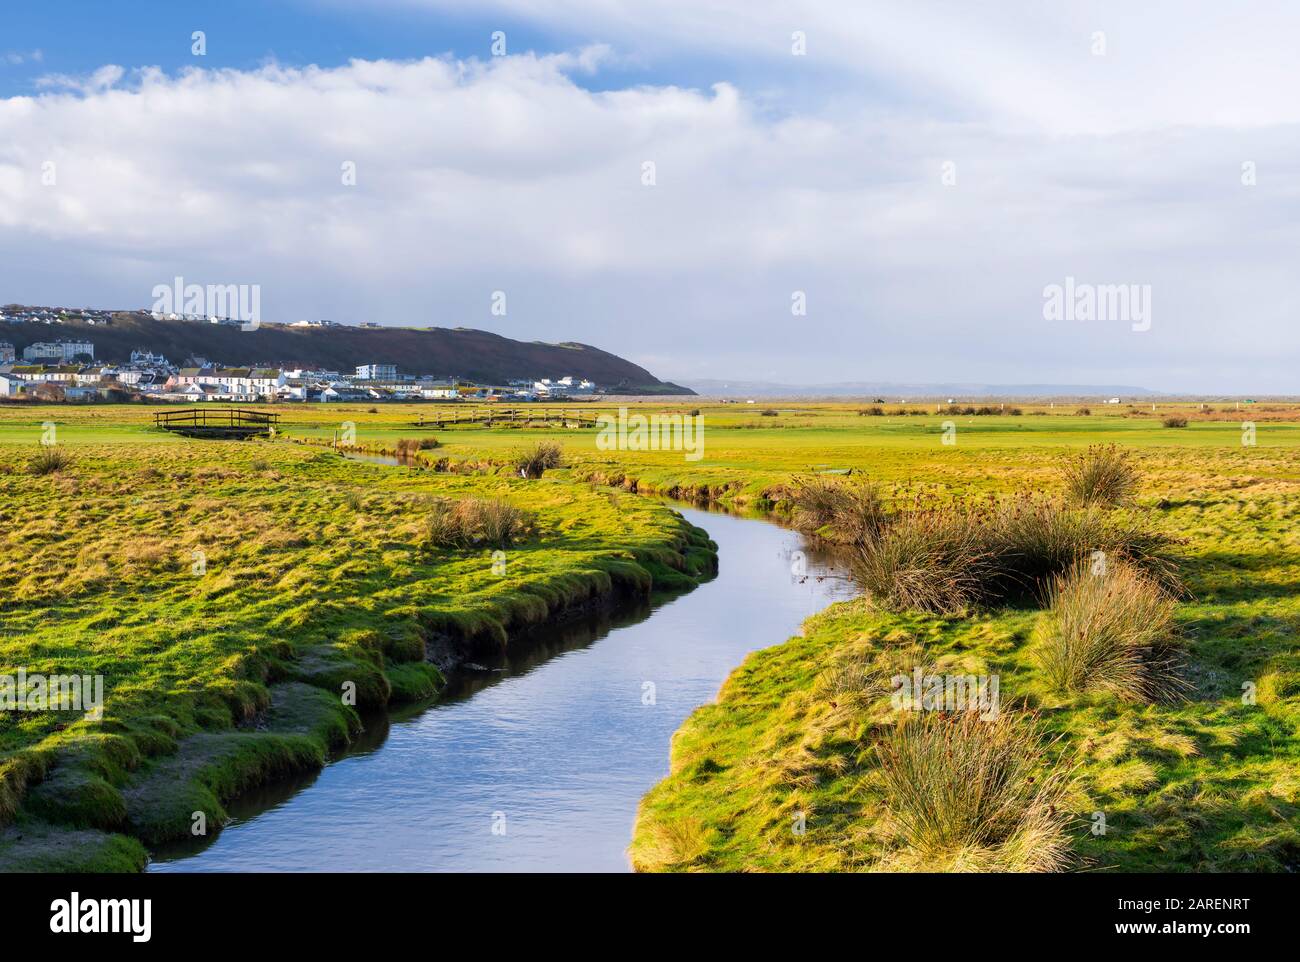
539,765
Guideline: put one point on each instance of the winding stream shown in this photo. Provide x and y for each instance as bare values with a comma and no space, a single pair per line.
539,764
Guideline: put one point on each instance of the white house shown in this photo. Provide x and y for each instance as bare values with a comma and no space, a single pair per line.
40,374
63,350
231,383
11,385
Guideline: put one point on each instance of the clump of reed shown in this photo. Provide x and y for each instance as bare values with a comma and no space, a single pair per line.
409,447
1175,421
49,459
854,510
966,794
535,461
946,559
1109,627
933,561
1105,475
477,522
1035,539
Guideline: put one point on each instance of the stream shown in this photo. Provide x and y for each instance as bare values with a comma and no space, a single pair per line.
539,763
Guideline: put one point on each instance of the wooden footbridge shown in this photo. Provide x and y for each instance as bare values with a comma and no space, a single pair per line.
520,417
226,424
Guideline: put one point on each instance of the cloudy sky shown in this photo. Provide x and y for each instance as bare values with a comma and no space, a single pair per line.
917,173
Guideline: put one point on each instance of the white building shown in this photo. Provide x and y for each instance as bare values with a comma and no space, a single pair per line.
377,372
63,350
40,374
230,383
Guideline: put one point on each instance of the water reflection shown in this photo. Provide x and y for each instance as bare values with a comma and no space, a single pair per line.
536,763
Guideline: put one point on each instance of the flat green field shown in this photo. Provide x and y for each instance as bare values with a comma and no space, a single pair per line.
227,591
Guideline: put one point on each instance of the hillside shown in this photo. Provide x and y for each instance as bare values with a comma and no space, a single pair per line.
460,352
914,391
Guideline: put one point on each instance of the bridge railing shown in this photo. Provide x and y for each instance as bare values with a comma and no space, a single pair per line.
215,417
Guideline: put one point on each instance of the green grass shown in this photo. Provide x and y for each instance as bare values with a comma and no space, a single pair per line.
1209,782
232,594
316,576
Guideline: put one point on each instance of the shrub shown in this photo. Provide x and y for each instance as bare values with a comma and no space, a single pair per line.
1175,421
926,560
768,412
1110,628
1084,412
965,794
49,459
853,509
535,461
874,411
1105,475
477,522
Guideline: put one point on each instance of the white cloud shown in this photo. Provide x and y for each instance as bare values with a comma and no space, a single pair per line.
1167,63
507,175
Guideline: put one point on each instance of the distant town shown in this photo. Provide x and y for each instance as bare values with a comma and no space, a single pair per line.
66,369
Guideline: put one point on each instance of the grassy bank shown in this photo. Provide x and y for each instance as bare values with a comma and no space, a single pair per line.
242,601
795,766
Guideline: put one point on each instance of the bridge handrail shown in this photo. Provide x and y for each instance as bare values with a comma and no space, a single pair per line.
215,416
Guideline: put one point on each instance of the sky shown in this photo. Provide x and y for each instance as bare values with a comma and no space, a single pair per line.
801,192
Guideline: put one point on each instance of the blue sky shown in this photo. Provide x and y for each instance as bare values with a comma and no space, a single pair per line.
79,36
919,174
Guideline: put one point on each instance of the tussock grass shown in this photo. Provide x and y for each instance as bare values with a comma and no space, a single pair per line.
929,561
1110,629
947,559
1105,475
853,509
409,447
965,794
533,462
49,459
1034,539
477,522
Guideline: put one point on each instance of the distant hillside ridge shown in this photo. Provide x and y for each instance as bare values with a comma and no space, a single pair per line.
892,390
459,352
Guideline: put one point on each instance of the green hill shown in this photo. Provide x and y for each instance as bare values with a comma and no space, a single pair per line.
444,352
